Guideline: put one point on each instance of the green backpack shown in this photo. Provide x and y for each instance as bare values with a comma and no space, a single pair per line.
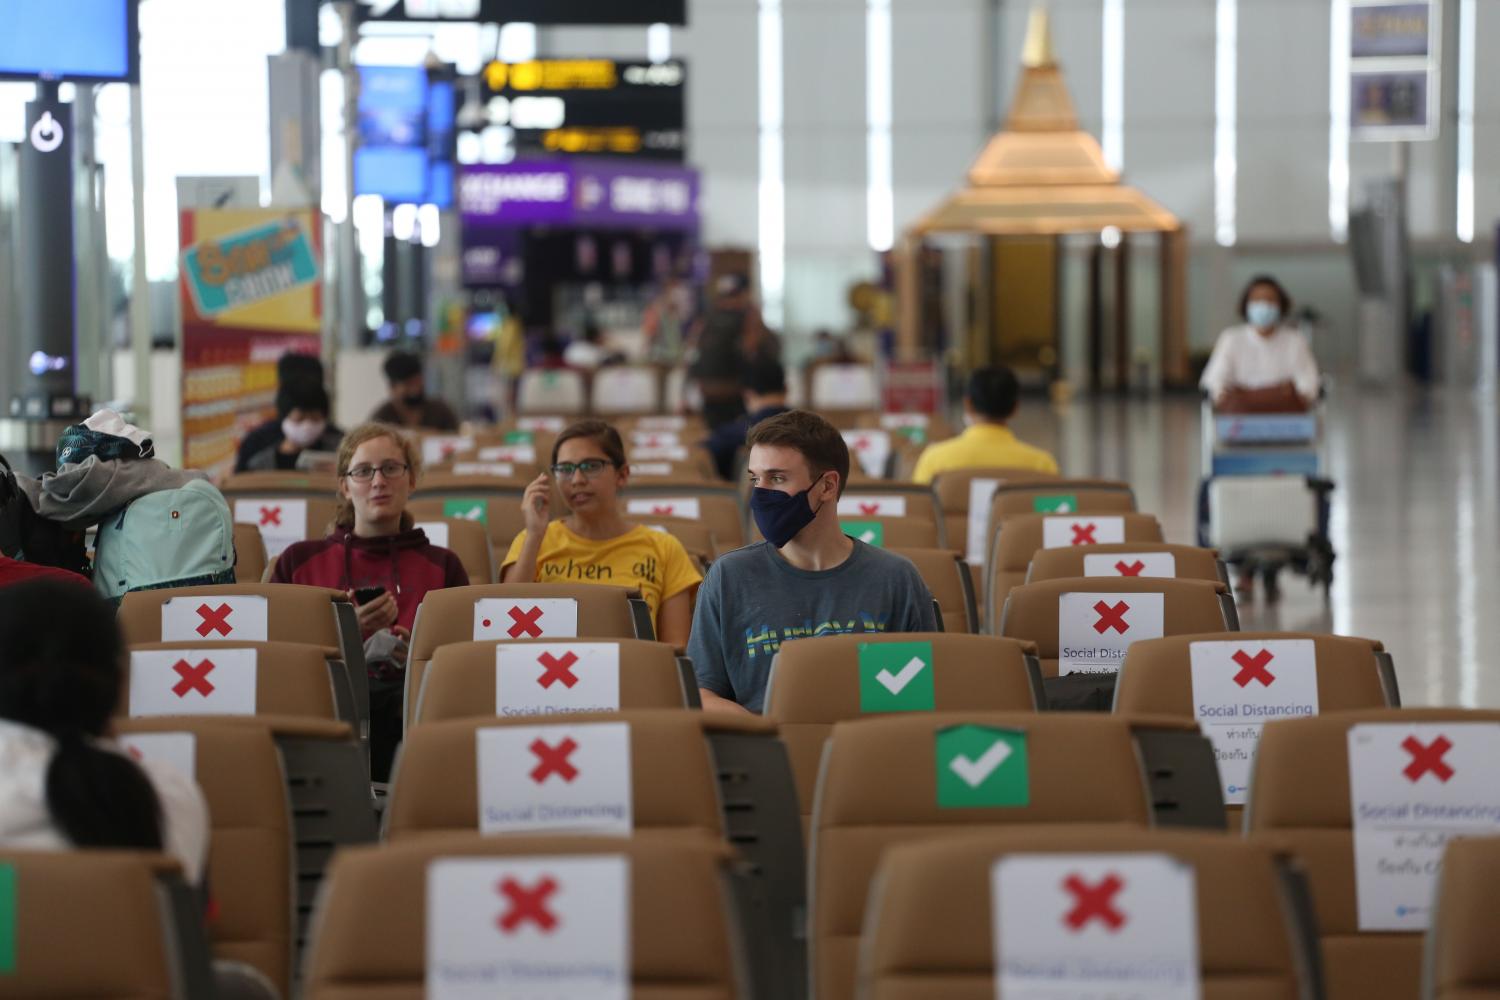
170,538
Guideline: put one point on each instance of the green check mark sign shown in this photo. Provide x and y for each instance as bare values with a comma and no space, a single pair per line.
981,766
869,532
895,677
467,509
1062,503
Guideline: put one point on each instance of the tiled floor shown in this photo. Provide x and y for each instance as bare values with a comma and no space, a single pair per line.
1415,525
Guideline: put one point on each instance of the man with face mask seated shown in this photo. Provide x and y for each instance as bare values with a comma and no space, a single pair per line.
409,405
806,579
301,425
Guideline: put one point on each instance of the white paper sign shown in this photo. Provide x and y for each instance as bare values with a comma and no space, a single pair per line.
483,469
436,532
1412,788
872,448
861,505
1061,532
1095,630
525,618
1239,686
981,492
557,678
442,447
665,507
655,439
1152,564
192,682
1095,927
665,453
532,928
662,423
178,751
281,522
523,453
561,777
895,421
551,425
651,468
214,618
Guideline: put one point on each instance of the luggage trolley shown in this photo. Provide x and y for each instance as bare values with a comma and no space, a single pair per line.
1263,502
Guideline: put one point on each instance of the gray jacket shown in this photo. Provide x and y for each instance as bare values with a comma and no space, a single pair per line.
80,495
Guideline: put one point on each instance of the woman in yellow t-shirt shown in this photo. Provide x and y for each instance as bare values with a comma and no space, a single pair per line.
594,544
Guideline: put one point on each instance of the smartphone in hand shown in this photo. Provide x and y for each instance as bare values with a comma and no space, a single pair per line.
364,595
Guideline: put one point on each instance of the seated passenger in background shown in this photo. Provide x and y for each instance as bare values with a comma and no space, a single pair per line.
409,404
1263,365
17,571
765,396
986,443
302,412
63,782
383,561
289,367
806,579
594,543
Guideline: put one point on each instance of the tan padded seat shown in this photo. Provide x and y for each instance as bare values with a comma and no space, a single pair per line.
371,926
718,506
1094,496
249,553
1189,607
460,680
268,482
950,583
897,532
921,501
439,483
815,683
250,868
1189,561
503,519
321,508
695,536
435,784
291,679
604,612
1462,962
930,925
1018,541
952,492
470,541
878,788
1299,796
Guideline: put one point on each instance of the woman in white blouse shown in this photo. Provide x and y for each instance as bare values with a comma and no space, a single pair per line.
1264,364
63,782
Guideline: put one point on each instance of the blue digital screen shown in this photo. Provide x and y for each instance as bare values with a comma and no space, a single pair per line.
441,115
69,39
391,159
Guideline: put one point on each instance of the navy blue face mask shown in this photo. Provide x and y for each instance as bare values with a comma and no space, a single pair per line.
780,516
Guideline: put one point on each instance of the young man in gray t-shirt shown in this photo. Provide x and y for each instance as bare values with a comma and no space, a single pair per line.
806,579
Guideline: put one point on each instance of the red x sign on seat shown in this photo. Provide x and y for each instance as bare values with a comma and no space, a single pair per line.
525,622
1111,617
1130,569
556,669
270,515
869,508
1094,902
663,510
553,760
526,905
214,620
861,443
1253,668
1427,758
1083,534
193,678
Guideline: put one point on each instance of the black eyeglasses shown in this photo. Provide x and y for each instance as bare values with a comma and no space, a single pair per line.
590,467
390,470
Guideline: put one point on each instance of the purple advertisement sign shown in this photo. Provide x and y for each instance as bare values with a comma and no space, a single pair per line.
586,194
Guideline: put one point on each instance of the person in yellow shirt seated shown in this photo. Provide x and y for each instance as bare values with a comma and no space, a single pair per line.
986,443
594,543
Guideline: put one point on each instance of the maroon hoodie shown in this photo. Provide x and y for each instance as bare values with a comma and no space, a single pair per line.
405,564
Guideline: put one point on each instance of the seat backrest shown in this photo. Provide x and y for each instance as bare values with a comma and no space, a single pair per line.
1146,559
1062,496
1300,797
499,512
626,389
884,500
250,869
893,532
843,387
718,508
932,914
463,678
114,907
458,614
372,925
951,584
551,390
469,540
292,613
249,553
1461,962
1017,541
667,782
1033,612
695,536
896,779
815,683
268,482
286,518
188,678
956,492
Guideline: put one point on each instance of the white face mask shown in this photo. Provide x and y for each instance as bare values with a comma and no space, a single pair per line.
1262,314
303,433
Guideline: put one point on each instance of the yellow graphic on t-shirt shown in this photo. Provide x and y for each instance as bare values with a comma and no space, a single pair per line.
651,560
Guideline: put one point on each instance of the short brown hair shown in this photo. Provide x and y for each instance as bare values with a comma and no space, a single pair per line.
819,441
344,516
601,433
